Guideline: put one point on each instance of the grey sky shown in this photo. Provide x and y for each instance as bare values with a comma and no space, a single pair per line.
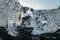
41,4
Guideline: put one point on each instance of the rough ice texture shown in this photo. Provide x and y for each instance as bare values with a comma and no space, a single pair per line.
43,21
9,15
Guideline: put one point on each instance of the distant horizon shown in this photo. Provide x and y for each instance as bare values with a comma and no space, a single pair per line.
40,4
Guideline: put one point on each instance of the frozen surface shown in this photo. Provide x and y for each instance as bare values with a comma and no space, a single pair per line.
42,21
9,15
